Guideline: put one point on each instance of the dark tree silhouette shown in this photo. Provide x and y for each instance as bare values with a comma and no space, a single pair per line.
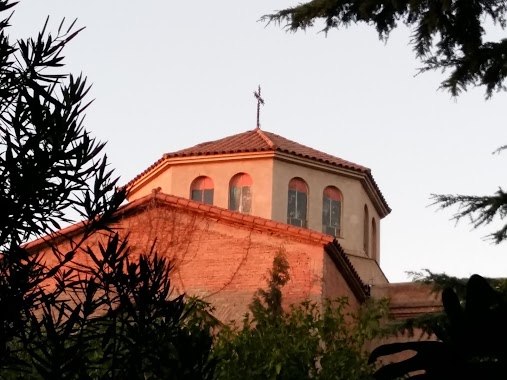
61,318
446,35
472,340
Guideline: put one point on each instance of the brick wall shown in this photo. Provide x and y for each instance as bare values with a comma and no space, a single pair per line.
223,262
409,299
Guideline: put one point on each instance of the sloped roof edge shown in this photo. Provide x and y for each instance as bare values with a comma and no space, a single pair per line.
258,140
344,265
330,244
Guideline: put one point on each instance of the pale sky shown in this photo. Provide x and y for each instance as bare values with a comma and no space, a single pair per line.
170,74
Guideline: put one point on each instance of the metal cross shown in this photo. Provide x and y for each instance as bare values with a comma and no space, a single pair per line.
260,101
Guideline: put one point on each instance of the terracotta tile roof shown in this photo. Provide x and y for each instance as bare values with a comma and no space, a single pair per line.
329,243
144,172
258,140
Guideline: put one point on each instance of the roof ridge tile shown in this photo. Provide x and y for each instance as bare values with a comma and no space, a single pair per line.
268,141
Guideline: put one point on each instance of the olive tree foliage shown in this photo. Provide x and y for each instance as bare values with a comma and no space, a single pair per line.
307,341
75,309
447,35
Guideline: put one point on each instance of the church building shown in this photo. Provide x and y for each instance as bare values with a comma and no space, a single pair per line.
221,210
257,192
261,174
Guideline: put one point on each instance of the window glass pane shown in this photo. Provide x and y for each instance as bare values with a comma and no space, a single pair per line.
234,198
201,190
197,195
296,207
331,214
208,196
246,199
291,205
326,211
301,206
328,230
335,213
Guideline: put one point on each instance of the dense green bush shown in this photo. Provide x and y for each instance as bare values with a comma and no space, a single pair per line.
308,341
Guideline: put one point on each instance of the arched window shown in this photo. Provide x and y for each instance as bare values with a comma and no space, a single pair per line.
331,211
374,239
366,232
297,203
202,189
240,193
